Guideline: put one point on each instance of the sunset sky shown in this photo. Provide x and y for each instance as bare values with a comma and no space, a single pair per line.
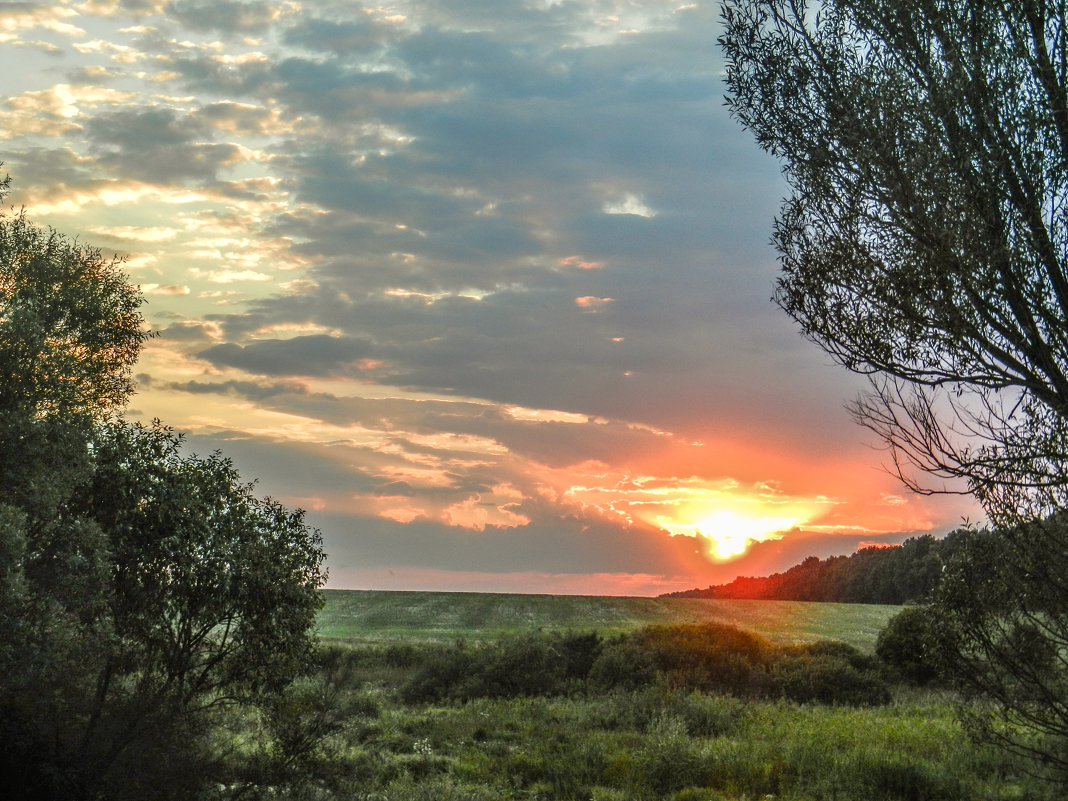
482,285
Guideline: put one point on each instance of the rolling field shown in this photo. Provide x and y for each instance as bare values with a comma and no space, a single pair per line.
370,616
435,698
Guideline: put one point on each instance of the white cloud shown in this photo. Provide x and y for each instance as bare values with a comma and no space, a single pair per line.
228,276
629,204
135,233
120,54
17,18
169,289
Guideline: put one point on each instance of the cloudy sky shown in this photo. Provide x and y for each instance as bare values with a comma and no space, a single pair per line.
481,284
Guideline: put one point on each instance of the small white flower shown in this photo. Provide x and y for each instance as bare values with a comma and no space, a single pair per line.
423,747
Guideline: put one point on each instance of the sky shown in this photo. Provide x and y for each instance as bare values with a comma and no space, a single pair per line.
484,286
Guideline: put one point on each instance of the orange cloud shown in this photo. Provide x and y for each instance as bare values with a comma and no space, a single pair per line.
580,263
592,304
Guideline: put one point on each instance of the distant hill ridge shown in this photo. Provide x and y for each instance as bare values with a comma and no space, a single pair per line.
878,575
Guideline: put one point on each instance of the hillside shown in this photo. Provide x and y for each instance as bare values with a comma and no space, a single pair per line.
362,615
894,575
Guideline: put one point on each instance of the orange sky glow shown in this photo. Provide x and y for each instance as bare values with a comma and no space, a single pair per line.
482,287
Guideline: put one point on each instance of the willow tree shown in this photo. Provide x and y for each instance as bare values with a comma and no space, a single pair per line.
924,244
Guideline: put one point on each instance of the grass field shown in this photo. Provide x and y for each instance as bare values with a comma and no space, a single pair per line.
437,699
379,616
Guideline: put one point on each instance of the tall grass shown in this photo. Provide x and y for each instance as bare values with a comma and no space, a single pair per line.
663,739
663,745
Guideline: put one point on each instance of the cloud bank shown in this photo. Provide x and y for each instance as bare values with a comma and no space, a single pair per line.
483,286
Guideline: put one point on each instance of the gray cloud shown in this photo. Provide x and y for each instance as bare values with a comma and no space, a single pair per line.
157,145
314,355
488,204
349,38
222,16
243,389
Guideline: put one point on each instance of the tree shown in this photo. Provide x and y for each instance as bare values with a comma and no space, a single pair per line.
145,593
165,593
907,645
924,243
70,333
185,595
70,329
999,629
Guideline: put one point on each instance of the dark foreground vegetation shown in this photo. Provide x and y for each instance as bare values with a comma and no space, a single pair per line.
149,601
713,658
684,712
895,575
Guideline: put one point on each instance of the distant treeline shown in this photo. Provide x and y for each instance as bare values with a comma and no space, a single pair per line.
876,575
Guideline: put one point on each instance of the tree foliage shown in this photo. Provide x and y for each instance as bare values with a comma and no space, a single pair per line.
924,243
999,627
907,644
70,321
872,575
164,593
145,593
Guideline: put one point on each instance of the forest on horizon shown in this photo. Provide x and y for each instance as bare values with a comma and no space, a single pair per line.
898,574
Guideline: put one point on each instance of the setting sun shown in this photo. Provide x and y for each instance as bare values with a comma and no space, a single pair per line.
484,352
728,534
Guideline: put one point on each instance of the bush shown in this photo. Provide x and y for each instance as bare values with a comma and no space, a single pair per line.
829,679
579,653
708,658
829,672
515,667
442,672
905,645
713,657
622,665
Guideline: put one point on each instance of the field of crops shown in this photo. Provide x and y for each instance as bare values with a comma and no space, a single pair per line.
374,616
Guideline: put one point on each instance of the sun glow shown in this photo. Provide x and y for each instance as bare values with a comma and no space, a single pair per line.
729,534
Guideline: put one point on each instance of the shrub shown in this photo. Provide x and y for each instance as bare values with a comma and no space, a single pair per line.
578,654
708,656
623,665
828,679
442,672
829,672
905,646
402,655
514,667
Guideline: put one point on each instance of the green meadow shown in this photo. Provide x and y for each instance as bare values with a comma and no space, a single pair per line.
369,616
478,697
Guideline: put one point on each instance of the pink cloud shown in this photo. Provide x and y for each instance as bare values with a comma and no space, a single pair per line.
590,303
580,263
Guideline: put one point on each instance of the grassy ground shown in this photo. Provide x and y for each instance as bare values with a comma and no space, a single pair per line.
651,744
659,742
374,616
682,747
